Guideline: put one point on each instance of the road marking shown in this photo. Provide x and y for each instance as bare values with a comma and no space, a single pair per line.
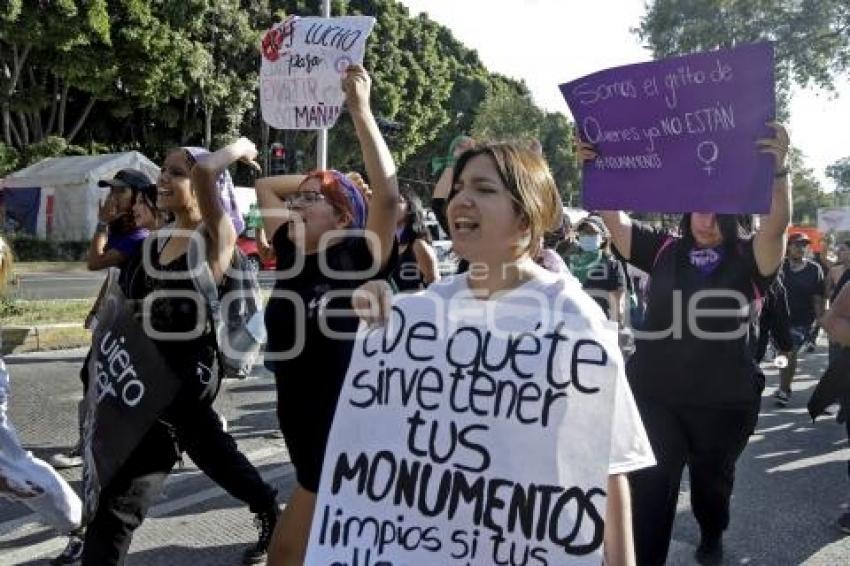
29,525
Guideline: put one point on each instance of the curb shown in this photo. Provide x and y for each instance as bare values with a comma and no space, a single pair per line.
43,337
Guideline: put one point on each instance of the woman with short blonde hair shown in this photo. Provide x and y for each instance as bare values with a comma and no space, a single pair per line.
23,477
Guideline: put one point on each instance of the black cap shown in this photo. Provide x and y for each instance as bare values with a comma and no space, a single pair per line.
127,179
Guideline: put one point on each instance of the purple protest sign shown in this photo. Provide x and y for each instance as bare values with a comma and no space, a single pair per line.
679,134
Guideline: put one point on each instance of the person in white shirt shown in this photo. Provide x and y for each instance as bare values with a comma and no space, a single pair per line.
23,477
503,199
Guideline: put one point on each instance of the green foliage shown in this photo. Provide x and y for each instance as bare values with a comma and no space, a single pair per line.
9,158
556,136
115,75
811,37
52,146
28,248
840,173
507,113
808,194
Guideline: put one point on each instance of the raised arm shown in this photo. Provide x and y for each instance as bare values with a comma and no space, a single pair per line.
444,183
617,221
270,194
380,166
221,236
99,257
426,259
769,241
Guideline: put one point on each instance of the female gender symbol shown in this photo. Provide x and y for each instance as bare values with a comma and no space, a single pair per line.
711,150
342,64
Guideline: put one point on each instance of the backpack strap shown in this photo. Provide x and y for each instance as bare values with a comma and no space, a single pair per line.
204,282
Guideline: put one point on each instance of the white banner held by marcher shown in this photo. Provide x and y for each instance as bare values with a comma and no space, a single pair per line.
302,65
834,219
465,436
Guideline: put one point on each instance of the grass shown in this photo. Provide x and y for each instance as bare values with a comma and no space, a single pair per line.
32,313
49,266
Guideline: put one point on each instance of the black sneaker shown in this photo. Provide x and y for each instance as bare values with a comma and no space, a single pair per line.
265,523
73,552
843,523
710,551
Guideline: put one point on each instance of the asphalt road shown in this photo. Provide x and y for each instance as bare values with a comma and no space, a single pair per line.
791,485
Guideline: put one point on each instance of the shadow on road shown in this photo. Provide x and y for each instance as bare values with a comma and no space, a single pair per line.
791,482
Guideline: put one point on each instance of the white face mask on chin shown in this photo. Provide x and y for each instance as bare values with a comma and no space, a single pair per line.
589,243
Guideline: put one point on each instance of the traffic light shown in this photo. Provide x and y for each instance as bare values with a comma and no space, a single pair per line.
277,153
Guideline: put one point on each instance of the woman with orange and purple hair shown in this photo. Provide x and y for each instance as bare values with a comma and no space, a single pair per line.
326,248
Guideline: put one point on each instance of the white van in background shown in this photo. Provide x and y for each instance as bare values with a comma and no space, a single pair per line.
446,258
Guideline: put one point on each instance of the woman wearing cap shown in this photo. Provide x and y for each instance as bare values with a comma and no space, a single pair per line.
600,274
116,239
117,236
693,374
317,225
503,199
195,188
805,291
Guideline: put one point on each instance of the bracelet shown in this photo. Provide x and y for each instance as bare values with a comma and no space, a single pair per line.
781,173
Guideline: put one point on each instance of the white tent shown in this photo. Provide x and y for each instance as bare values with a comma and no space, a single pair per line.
57,197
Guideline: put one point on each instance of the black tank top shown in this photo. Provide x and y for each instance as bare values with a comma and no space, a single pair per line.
190,350
407,275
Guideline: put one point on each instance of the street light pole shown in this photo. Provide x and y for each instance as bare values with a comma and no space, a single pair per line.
322,140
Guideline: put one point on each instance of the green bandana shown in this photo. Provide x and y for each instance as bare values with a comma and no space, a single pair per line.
582,263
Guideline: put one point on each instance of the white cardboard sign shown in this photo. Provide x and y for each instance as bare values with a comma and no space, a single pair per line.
465,439
303,62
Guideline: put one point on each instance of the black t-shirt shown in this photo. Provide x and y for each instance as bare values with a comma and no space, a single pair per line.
802,287
604,277
304,302
683,359
407,276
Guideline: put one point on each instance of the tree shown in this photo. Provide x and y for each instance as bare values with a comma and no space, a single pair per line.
811,37
507,113
556,136
808,194
840,173
45,49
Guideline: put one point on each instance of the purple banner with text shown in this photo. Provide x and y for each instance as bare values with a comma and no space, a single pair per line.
679,134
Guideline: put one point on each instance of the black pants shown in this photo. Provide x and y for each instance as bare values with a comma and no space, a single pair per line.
125,501
709,441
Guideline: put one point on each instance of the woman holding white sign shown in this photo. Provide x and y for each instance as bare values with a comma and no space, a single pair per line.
503,198
326,247
693,374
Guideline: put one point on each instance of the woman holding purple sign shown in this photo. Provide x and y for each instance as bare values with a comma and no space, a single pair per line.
693,375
